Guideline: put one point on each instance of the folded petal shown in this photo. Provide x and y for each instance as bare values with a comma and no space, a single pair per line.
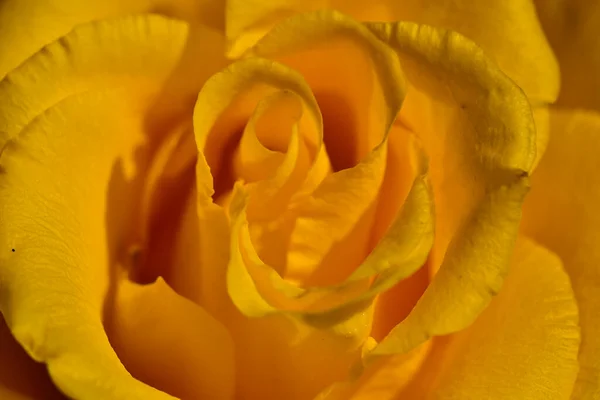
480,146
28,25
523,346
302,339
509,32
562,214
71,117
572,30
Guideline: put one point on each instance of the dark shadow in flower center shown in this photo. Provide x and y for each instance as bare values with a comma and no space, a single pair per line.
339,130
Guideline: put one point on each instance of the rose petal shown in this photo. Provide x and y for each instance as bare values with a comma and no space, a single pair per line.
383,379
509,32
480,144
171,343
28,25
67,192
302,359
562,214
225,106
297,34
523,346
471,274
572,30
358,106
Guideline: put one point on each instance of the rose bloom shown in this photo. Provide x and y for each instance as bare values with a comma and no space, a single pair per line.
299,199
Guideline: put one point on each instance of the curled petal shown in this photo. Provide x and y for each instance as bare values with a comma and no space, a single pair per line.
67,179
509,32
480,146
28,25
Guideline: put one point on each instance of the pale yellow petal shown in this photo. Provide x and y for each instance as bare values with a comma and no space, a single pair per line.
562,213
68,189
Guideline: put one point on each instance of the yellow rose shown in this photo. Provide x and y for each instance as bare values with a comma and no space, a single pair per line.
276,200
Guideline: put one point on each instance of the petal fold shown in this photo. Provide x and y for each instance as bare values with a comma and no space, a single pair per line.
26,26
68,186
509,32
480,147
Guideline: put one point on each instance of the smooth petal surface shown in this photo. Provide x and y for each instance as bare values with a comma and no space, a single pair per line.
562,213
508,31
28,25
523,346
572,28
68,186
21,378
170,342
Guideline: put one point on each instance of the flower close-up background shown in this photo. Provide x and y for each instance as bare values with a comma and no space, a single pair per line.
285,199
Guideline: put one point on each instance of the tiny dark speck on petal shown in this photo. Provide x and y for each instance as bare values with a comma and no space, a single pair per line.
13,250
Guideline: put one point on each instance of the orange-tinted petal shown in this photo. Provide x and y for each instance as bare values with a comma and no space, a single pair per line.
480,146
28,25
171,343
562,214
68,190
508,32
523,346
572,28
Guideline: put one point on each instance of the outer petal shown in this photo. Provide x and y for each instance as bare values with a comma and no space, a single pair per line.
28,25
523,346
562,214
508,31
67,182
573,28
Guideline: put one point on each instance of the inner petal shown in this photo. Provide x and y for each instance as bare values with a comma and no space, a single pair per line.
355,103
343,78
266,137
